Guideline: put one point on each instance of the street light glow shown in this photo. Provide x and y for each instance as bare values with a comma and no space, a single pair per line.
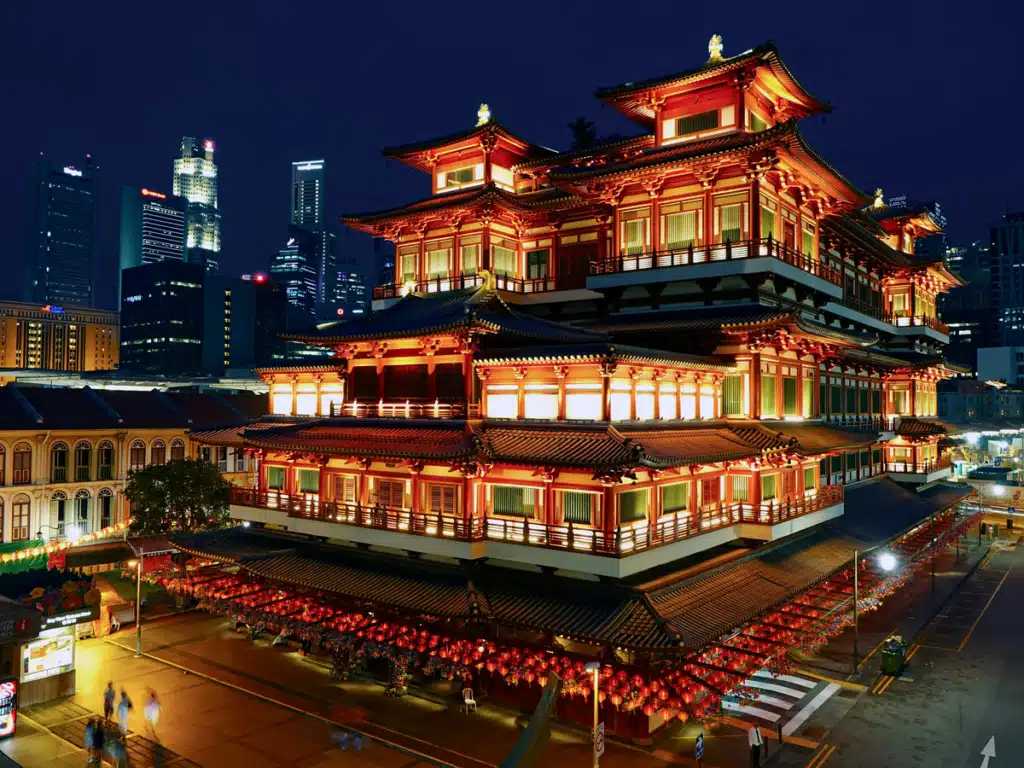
887,561
997,490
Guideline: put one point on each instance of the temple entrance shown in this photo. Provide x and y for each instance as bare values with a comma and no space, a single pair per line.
574,266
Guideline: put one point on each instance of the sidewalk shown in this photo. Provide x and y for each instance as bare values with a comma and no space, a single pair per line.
904,613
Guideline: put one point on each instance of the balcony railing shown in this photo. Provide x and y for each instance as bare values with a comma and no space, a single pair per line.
626,540
920,467
407,409
907,321
865,308
455,282
694,255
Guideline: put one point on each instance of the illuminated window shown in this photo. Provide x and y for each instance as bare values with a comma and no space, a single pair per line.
732,395
730,221
309,480
675,498
137,455
756,123
437,262
705,121
330,401
667,401
790,404
620,400
644,401
441,499
632,506
681,229
346,489
514,501
275,478
541,405
808,402
470,259
688,402
281,402
769,487
504,261
577,507
634,237
502,406
537,264
582,402
305,400
767,397
740,488
707,402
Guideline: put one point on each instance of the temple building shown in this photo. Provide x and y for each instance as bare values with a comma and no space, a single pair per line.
602,383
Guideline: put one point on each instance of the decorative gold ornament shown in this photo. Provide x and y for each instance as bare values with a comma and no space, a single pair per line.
483,115
715,48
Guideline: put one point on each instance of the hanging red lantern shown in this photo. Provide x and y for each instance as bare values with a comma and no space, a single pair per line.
663,694
601,696
648,710
491,666
666,714
682,716
616,700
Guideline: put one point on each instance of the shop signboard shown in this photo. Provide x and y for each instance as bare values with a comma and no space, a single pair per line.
72,617
52,653
8,707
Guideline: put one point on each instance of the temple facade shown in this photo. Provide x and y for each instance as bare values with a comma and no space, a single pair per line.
619,402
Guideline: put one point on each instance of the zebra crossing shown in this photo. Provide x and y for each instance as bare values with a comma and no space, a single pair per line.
779,700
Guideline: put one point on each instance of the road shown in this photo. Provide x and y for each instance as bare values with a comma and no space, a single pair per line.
963,687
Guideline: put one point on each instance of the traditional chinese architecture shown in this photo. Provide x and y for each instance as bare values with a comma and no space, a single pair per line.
602,381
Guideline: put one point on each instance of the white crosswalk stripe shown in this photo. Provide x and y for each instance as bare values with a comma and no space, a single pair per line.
781,700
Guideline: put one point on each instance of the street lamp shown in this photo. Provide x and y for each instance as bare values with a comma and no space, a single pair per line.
594,667
887,562
137,564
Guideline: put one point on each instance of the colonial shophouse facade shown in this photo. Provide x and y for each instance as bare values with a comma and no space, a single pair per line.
65,453
603,361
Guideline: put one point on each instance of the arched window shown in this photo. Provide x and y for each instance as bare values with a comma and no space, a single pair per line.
83,461
58,513
106,507
82,512
22,464
3,465
59,463
137,455
20,508
157,452
177,449
105,461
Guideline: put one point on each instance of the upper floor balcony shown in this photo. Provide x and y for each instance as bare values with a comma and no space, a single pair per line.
918,321
440,284
408,409
702,261
923,471
619,551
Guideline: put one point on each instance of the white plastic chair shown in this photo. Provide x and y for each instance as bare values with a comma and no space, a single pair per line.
468,702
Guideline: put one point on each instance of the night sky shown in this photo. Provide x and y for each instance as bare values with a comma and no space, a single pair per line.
927,95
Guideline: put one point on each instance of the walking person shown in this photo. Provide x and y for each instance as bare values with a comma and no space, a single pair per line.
123,707
90,740
755,741
99,740
108,701
152,713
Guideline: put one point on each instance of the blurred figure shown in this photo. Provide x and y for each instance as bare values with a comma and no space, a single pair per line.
90,740
99,740
123,708
152,714
108,701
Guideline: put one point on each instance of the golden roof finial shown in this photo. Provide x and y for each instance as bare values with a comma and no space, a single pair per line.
483,115
715,48
879,199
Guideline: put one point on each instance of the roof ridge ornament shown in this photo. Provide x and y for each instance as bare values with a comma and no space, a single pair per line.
879,203
483,115
715,49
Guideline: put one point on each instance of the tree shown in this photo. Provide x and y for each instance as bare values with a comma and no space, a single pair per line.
181,495
584,134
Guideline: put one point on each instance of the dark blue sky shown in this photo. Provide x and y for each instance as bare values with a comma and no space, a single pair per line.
927,95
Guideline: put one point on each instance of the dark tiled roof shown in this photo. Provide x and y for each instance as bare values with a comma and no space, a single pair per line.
393,582
809,438
233,435
766,54
205,410
902,508
700,319
146,410
75,408
594,447
477,309
668,446
401,151
367,437
461,199
581,156
232,545
919,427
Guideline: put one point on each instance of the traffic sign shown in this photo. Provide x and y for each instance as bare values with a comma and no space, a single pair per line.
599,740
1012,510
698,746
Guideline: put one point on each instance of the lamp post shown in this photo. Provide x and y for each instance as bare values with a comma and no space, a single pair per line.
594,667
887,562
138,604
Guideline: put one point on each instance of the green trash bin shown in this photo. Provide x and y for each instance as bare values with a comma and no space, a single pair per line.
894,654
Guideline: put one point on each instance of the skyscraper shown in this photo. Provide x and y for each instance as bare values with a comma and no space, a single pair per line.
307,212
63,234
295,267
152,228
1006,259
195,179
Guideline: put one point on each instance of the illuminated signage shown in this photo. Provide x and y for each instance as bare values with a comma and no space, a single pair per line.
48,656
132,299
310,167
151,193
53,309
71,617
341,311
209,146
72,171
8,707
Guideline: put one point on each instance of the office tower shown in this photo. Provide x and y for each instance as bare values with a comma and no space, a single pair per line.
152,228
966,308
63,234
195,179
307,211
295,266
162,318
58,338
243,320
1006,260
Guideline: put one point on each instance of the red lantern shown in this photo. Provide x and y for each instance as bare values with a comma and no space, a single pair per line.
663,694
648,710
682,716
666,714
601,696
616,700
530,677
491,666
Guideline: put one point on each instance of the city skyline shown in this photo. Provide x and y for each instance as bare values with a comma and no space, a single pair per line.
134,142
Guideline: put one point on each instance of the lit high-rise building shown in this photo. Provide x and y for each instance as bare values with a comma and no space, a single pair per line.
295,267
307,211
152,228
63,234
195,179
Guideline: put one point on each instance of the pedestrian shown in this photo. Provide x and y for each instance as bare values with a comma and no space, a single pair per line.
90,740
108,701
123,707
152,714
99,739
756,742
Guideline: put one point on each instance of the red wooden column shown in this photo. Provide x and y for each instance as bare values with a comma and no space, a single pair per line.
485,248
609,516
755,210
816,393
549,496
709,216
755,386
656,377
561,372
633,375
415,469
607,371
698,381
520,374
